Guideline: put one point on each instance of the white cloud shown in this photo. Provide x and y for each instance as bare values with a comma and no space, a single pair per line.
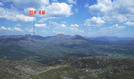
63,25
17,29
74,25
59,10
94,21
63,28
129,23
58,24
3,28
110,30
76,30
113,28
11,29
119,6
124,6
40,25
22,17
44,2
54,10
101,6
46,18
117,26
72,1
116,10
14,15
115,18
6,28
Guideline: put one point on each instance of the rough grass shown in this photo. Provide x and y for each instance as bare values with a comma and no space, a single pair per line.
65,73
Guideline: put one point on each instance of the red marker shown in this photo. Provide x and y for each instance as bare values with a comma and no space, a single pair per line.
33,12
43,12
40,12
30,12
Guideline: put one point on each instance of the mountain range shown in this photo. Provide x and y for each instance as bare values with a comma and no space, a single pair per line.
45,49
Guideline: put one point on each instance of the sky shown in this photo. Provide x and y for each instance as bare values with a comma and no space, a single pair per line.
91,18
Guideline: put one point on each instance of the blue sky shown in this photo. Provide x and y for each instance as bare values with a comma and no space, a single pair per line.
90,18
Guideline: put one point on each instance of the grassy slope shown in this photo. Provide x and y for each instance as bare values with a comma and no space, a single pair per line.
65,73
98,68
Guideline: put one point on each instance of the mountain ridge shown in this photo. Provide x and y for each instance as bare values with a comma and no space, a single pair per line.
43,49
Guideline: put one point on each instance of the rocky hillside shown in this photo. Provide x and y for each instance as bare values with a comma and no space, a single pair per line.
78,68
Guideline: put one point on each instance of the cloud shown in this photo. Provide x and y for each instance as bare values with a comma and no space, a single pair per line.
11,29
58,24
110,30
59,28
46,18
66,29
75,28
117,26
53,10
94,21
72,1
119,6
124,7
40,25
101,6
113,28
115,18
44,2
4,28
129,23
17,29
59,10
74,25
113,10
22,17
13,15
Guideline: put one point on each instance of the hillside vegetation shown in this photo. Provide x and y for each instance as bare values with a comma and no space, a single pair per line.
46,49
78,68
